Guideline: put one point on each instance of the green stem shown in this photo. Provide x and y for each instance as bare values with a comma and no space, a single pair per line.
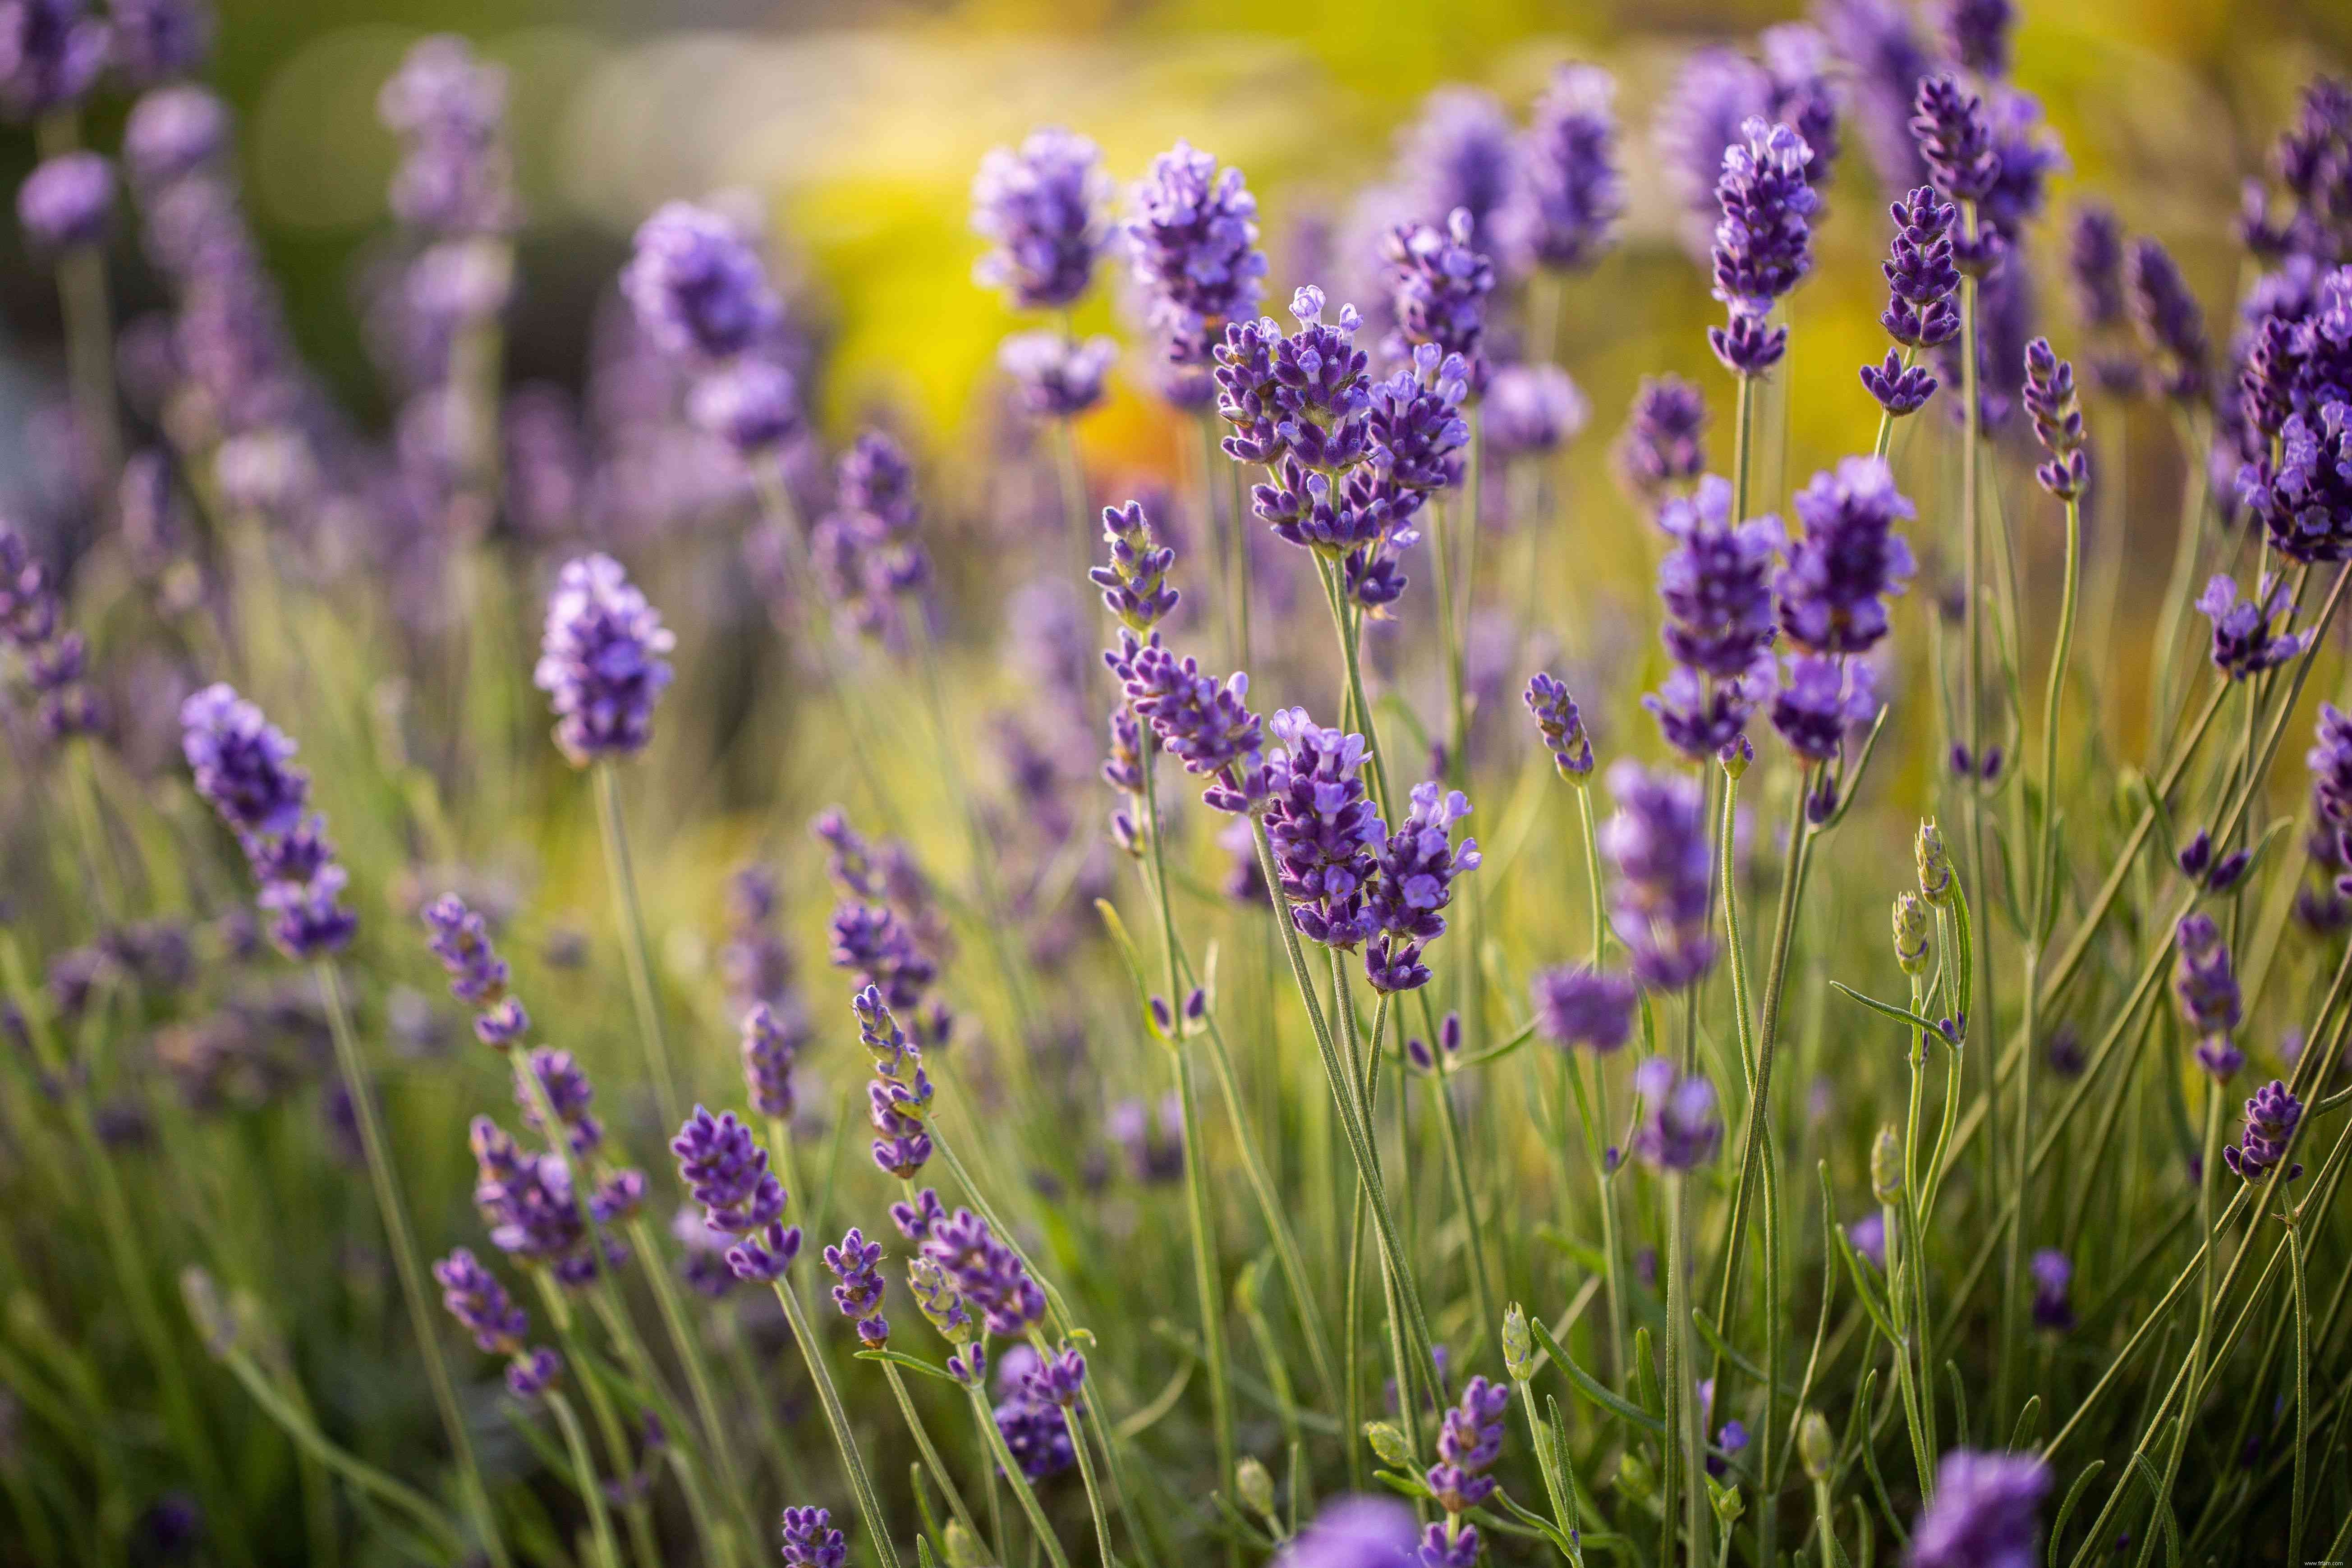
2298,1515
1686,1470
1450,1135
1022,1491
861,1486
583,1470
933,1463
634,948
689,1355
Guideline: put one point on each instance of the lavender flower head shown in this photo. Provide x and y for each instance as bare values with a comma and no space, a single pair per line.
1206,726
809,1540
1036,1432
1135,584
1462,156
2272,1114
2207,985
858,1293
698,285
1955,139
480,1303
460,939
1560,726
1847,561
2094,266
1823,699
173,132
1057,376
1568,158
1300,405
899,1096
2243,642
1044,209
1921,279
1763,245
2304,499
1580,1005
2171,323
455,176
1679,1130
156,40
1657,844
1532,411
1440,287
2054,1273
1469,1441
988,1274
50,53
1984,1512
238,763
65,200
771,1045
1192,243
600,661
1354,1531
1664,443
2057,420
1716,585
1412,884
728,1173
1323,830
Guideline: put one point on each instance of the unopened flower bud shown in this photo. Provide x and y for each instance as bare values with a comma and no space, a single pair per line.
1388,1443
964,1550
1815,1445
1910,932
1887,1167
1256,1487
1518,1344
1728,1504
1934,863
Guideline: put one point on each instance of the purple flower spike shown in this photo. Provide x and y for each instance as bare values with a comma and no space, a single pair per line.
1057,376
1354,1531
1469,1441
569,1095
2243,644
726,1171
1206,727
1664,445
2094,266
1680,1129
1824,700
1568,155
1560,726
532,1373
1441,286
1921,277
1848,562
476,1299
1716,582
2170,321
2207,985
1044,209
770,1048
600,661
2054,1273
1412,884
2057,420
698,285
2272,1114
858,1294
1135,584
1984,1512
66,200
810,1542
239,760
1590,1007
1955,139
1323,829
1193,247
1900,391
1057,1379
988,1274
2305,500
1657,844
1532,411
1763,245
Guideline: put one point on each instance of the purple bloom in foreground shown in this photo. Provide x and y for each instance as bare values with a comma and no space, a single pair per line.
697,284
1984,1515
811,1541
1579,1005
1823,700
1469,1441
1354,1531
1657,844
1044,209
1323,827
1679,1130
1716,582
988,1274
2305,500
1412,884
2272,1114
600,661
66,200
728,1173
2057,415
2243,642
1207,726
1193,247
1135,584
1848,560
1900,391
1921,277
858,1294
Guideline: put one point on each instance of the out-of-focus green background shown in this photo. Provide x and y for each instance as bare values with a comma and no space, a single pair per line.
862,123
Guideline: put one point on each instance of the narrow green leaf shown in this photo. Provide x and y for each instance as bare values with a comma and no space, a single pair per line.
1589,1387
911,1362
2066,1509
1900,1015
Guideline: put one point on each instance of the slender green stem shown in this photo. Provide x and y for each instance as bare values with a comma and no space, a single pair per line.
1450,1135
636,949
1685,1471
600,1411
583,1471
89,352
393,1212
1070,477
689,1347
937,1465
1022,1491
861,1486
2298,1515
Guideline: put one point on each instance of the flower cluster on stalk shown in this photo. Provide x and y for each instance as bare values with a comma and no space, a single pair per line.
601,661
2272,1115
898,1099
55,659
1921,313
1717,587
1413,882
1763,245
1656,843
241,765
727,1171
474,1296
886,932
866,550
700,289
2205,980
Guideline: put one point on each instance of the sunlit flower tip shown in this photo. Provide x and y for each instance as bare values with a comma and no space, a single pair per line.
1578,1006
1680,1129
1985,1513
809,1541
1135,584
1902,392
600,661
698,285
2243,644
2272,1113
1044,207
1560,725
1057,376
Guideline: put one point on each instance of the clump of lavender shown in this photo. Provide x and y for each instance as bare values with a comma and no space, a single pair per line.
1206,726
527,1202
2304,500
601,662
1921,281
1560,726
1580,1005
1192,243
1657,844
1300,404
809,1540
460,939
2171,323
1763,245
1575,191
1717,586
899,1097
2206,982
1323,829
475,1299
2272,1114
1440,287
2243,644
240,764
2054,1273
858,1288
1042,207
1411,885
1680,1129
1983,1514
727,1171
1135,586
54,659
1954,138
1469,1441
1664,445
